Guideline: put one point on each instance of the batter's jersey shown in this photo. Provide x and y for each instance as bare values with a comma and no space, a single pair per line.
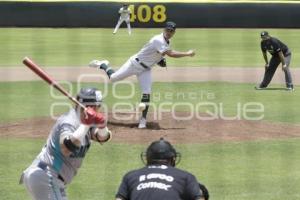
156,182
152,52
273,46
51,153
124,13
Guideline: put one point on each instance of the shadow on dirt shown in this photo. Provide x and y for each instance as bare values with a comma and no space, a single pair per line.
150,125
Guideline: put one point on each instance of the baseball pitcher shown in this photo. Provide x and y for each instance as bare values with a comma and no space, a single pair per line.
141,64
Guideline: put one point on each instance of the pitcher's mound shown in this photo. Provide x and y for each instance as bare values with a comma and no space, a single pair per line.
174,130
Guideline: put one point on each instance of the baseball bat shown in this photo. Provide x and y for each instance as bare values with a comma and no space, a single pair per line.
38,71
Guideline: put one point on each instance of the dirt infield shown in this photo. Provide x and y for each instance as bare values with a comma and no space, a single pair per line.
176,131
171,74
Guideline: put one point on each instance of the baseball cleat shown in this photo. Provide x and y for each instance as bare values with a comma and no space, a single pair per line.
259,88
97,63
142,123
291,88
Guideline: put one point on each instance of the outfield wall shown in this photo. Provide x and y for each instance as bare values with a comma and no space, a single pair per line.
188,15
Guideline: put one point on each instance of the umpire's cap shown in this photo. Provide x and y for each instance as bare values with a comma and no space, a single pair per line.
264,33
90,96
161,151
170,26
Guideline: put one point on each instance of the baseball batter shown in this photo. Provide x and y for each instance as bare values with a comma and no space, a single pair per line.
124,17
66,147
141,64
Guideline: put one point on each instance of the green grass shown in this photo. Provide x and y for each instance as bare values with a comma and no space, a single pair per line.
248,170
21,100
76,47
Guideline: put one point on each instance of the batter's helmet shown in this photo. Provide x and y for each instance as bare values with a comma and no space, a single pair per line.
161,152
90,96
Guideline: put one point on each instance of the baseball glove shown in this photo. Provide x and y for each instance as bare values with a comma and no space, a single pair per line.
204,191
162,63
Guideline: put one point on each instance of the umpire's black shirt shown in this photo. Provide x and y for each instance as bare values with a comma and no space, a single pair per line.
273,46
159,182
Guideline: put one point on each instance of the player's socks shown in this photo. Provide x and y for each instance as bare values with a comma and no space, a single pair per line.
145,99
109,71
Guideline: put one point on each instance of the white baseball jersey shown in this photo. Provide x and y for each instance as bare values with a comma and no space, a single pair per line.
124,13
152,52
149,55
51,154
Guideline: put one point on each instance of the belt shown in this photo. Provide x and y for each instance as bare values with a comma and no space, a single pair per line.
142,64
44,166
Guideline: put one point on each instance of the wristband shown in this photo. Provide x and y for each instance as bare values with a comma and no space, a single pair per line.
81,131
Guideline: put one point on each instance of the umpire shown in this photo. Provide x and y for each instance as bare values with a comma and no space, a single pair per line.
159,179
280,54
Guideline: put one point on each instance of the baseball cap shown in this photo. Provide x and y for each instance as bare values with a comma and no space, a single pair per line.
171,26
264,33
90,96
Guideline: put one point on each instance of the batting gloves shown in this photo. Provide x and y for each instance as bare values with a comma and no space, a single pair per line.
90,115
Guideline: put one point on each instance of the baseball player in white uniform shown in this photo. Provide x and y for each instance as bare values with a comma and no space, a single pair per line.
141,64
124,16
66,147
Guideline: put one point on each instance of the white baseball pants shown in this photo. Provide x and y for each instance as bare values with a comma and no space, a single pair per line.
120,21
132,67
43,184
